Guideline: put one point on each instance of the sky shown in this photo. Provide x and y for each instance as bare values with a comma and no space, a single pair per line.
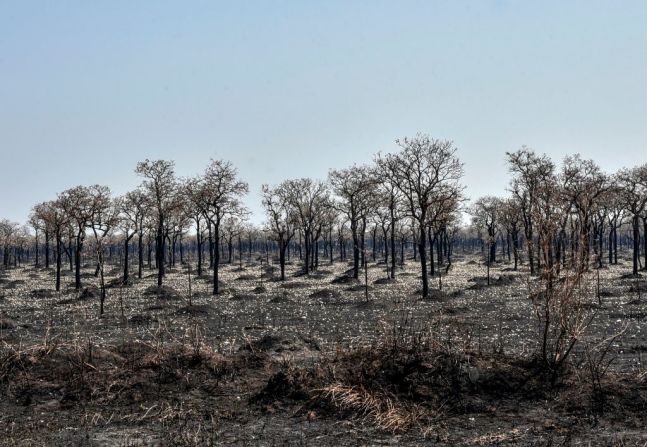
287,89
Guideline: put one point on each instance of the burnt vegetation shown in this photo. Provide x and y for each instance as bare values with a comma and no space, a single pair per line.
365,308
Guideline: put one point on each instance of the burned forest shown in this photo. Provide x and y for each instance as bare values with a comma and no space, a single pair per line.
378,305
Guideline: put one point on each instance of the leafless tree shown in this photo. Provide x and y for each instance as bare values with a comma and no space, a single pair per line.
8,233
582,184
354,188
309,199
57,220
38,224
486,213
160,185
511,221
427,173
192,190
391,195
633,187
38,216
132,207
281,218
77,204
529,172
104,218
220,193
560,302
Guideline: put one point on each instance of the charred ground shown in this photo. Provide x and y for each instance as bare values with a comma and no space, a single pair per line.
311,361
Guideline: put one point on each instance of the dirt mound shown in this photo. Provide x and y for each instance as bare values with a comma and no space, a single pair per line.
381,281
6,323
89,292
270,274
282,386
325,294
162,292
344,279
500,280
638,287
16,283
247,277
141,320
259,289
42,293
294,285
280,299
119,282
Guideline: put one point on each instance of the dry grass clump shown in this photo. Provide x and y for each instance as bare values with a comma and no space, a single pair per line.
388,413
410,378
81,371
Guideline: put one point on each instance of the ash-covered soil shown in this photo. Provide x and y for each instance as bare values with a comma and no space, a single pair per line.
311,361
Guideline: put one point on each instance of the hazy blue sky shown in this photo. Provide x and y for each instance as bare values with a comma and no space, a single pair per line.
286,89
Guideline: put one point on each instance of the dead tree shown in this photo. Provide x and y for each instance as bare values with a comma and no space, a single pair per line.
309,200
633,187
281,218
39,213
132,207
511,221
529,171
426,172
104,218
77,204
57,221
582,185
615,217
485,215
220,193
160,187
354,188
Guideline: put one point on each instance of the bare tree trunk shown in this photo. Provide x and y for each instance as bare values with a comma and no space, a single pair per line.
353,227
645,242
615,245
611,229
211,250
636,237
393,260
432,264
423,259
306,239
216,256
58,262
77,262
282,247
159,251
46,249
140,254
126,266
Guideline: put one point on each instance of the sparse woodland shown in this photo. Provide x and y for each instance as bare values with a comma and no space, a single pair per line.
379,302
